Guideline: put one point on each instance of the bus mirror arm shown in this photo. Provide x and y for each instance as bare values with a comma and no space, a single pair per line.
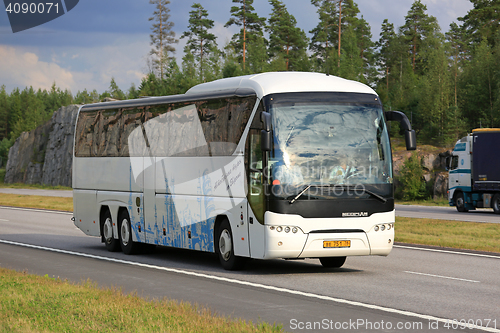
266,135
410,136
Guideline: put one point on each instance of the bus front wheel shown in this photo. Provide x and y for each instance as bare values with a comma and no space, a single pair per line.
332,262
224,248
125,234
112,244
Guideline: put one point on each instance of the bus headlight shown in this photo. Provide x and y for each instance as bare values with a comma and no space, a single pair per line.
285,228
382,227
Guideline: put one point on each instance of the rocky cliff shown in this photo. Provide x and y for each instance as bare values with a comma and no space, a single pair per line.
44,155
433,164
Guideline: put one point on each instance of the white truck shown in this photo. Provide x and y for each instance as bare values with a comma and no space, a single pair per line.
474,171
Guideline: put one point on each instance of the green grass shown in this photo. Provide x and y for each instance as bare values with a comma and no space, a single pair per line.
36,201
33,303
443,202
453,234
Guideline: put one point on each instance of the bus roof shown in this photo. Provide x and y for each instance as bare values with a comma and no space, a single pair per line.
249,85
280,82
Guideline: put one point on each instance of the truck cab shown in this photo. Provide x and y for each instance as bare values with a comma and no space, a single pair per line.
460,180
474,171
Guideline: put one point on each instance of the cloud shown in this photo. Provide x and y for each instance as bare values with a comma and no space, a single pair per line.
21,68
76,67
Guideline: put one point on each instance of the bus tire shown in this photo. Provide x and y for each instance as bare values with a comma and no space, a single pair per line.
125,233
112,244
332,262
460,202
495,203
225,249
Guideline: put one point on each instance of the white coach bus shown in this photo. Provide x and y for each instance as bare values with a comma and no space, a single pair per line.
274,165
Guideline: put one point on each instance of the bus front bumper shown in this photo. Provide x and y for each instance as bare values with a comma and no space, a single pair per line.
375,236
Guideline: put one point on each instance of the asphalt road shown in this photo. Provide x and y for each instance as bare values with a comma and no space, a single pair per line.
447,213
411,288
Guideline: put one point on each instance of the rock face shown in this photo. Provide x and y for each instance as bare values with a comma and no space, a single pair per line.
434,166
44,155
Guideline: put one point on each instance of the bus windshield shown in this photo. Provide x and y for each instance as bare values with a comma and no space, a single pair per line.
329,140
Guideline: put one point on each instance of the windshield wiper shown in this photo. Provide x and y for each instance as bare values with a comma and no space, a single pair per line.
298,195
373,194
344,187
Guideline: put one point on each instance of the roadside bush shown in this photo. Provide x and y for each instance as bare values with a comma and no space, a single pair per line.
412,179
5,145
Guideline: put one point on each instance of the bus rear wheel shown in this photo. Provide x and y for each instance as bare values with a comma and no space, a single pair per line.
125,234
332,262
495,203
224,247
112,244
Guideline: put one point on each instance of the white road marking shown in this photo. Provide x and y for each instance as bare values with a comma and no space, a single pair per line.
252,284
37,210
446,251
441,276
3,220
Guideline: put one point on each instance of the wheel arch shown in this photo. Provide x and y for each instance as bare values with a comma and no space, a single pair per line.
102,212
217,223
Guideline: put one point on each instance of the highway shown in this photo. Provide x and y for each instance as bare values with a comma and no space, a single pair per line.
410,290
447,213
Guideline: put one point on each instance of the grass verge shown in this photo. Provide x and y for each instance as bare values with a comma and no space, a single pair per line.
36,201
443,202
33,303
453,234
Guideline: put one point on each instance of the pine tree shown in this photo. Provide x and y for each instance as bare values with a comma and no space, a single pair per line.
114,91
482,21
4,113
251,27
325,34
83,97
162,37
200,42
386,56
286,40
421,32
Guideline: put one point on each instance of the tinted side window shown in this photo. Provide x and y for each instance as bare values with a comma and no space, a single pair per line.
107,133
202,128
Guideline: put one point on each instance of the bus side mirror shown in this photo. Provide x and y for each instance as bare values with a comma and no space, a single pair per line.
410,136
266,134
411,140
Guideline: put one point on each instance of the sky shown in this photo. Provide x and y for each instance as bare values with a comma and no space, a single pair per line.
102,39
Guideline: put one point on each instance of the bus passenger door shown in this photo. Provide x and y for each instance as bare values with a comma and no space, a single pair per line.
151,227
255,194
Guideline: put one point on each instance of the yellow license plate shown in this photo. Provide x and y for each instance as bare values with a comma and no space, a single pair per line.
342,243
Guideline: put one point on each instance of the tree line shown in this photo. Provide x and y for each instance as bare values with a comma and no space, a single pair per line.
446,83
